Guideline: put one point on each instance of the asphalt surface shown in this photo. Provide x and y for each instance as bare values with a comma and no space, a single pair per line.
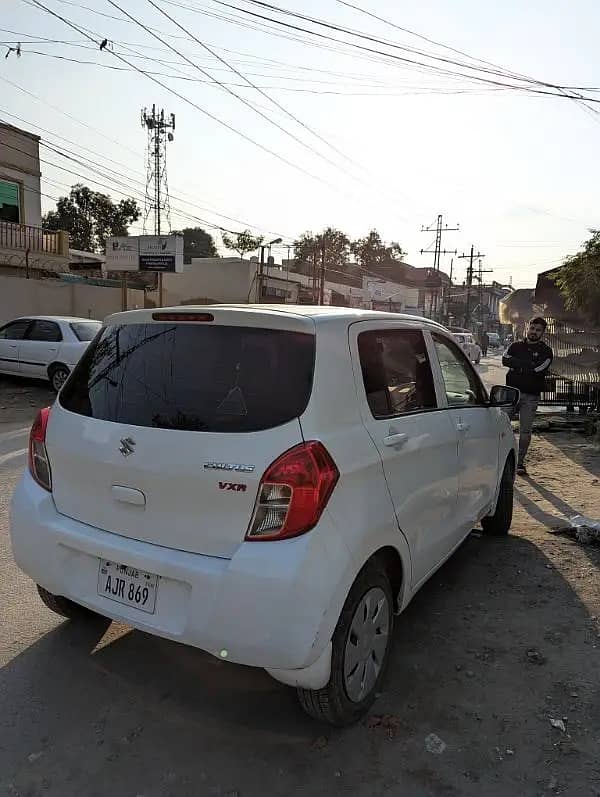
498,643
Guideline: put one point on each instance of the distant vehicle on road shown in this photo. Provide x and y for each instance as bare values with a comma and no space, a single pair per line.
469,345
269,484
45,347
494,339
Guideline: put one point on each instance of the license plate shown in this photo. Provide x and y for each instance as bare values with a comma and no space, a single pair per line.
128,585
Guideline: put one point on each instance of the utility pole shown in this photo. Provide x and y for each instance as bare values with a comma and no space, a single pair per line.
480,272
160,131
471,257
322,280
437,251
314,275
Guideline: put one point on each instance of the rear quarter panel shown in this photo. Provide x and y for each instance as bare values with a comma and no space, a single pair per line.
71,352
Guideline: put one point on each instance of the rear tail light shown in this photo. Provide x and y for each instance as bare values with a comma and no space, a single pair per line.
293,493
39,464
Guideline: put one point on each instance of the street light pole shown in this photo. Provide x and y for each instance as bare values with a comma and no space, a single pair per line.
261,266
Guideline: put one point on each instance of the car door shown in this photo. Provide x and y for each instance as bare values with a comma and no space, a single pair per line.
415,438
11,337
478,432
40,348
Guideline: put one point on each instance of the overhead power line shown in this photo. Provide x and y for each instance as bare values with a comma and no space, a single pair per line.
402,59
359,199
515,75
226,88
190,102
325,92
253,85
181,96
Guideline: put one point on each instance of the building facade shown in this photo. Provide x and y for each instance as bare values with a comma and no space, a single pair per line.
23,243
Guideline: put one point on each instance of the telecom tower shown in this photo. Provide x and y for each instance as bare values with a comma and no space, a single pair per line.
160,131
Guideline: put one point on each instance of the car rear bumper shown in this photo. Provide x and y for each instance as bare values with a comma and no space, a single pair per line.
272,605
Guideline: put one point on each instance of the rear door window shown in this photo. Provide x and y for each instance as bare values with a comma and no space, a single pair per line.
396,372
46,331
193,377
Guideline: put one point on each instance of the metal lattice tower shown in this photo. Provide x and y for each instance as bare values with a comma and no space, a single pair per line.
160,131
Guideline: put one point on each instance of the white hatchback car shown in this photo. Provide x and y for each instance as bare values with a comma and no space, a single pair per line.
269,484
470,347
45,347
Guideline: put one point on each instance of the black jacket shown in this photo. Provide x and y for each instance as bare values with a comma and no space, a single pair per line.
528,364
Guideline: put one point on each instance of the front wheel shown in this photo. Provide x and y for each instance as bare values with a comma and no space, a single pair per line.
500,522
361,647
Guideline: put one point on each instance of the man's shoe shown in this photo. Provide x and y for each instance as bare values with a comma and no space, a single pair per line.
521,470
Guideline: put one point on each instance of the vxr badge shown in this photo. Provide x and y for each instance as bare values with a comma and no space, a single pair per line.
127,446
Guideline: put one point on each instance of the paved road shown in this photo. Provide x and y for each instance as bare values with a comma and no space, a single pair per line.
491,369
499,641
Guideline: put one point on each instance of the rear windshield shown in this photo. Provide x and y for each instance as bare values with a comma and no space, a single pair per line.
193,377
86,330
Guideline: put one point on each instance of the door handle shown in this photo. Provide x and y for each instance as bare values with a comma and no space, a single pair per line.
463,427
395,439
13,345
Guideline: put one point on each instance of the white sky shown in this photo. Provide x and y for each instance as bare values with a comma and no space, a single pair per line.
519,172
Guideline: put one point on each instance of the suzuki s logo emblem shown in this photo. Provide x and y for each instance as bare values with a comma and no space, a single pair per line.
127,446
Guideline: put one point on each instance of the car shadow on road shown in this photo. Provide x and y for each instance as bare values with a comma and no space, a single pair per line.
487,650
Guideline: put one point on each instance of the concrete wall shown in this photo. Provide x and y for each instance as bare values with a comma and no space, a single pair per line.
382,290
224,279
20,297
20,162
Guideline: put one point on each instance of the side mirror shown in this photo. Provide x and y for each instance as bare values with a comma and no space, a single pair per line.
503,396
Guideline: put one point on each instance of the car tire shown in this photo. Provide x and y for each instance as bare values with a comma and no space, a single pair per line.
500,522
64,606
358,664
58,375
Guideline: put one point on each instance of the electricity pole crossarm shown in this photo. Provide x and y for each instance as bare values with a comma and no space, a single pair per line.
437,253
471,258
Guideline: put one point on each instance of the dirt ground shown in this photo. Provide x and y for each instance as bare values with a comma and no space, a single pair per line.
498,656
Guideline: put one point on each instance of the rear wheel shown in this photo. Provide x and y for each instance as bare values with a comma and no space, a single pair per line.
500,522
64,607
58,375
361,646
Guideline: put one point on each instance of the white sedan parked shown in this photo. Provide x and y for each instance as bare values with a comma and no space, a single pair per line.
469,346
45,347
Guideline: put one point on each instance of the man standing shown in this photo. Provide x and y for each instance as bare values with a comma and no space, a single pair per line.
485,342
528,362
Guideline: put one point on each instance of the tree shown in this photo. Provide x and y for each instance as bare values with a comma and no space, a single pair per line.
242,242
333,243
579,279
373,255
197,243
90,217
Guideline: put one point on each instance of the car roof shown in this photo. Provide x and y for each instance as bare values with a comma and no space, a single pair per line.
64,318
316,314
